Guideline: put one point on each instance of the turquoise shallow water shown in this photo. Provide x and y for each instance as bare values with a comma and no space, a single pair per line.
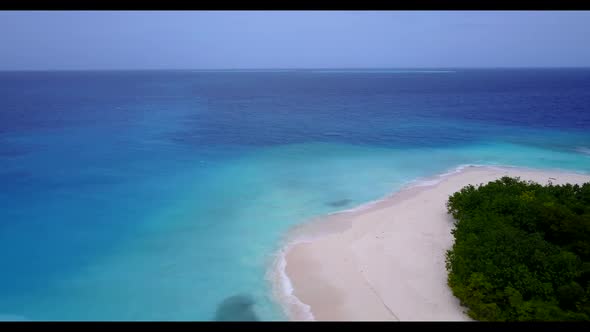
157,195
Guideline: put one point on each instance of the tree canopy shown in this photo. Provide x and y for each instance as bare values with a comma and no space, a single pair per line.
521,251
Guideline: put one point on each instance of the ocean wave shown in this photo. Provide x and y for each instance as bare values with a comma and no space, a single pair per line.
283,288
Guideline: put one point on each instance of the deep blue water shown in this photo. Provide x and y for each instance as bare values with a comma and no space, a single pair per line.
155,195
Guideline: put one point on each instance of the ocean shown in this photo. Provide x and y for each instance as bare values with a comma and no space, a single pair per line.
166,195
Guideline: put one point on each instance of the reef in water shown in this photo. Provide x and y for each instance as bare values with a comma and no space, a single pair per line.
339,203
236,308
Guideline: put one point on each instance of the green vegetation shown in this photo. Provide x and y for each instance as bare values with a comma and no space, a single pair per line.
522,251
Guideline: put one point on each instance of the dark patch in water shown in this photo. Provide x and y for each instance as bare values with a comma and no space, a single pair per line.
236,308
340,203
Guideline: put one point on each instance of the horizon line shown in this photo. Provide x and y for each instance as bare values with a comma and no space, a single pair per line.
297,69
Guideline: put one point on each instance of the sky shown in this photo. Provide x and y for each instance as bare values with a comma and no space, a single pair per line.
78,40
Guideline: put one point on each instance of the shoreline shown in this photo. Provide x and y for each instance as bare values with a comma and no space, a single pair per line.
336,266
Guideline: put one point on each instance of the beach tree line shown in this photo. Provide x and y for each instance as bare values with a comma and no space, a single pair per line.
521,251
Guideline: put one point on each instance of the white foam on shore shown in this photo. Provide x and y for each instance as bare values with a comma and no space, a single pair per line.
282,286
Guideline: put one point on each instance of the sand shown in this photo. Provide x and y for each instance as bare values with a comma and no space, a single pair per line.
386,261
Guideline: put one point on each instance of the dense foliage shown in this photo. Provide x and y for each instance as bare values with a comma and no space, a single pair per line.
521,251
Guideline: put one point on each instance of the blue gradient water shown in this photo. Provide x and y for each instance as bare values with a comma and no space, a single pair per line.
155,195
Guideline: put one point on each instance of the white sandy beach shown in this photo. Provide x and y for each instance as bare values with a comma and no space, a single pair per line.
386,261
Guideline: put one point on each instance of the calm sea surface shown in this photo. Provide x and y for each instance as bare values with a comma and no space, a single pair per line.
157,195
